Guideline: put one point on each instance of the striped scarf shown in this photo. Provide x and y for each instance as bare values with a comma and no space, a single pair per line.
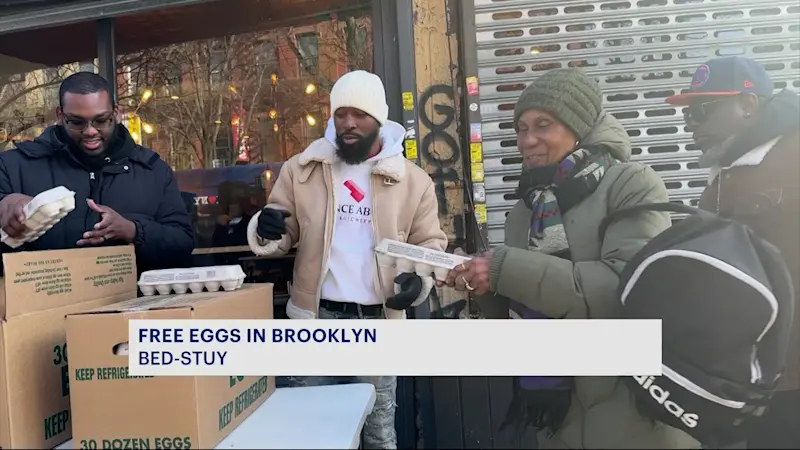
573,179
549,192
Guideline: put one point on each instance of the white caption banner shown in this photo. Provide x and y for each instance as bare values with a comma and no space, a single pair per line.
394,347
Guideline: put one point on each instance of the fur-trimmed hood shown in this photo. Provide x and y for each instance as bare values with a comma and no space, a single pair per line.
404,208
389,163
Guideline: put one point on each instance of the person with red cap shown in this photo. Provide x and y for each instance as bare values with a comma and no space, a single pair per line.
750,142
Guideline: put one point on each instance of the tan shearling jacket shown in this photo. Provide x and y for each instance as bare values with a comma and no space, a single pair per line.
404,208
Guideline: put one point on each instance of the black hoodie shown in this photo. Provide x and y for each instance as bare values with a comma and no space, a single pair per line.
130,179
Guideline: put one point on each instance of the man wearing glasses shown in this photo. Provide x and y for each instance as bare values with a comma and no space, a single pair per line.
750,141
125,194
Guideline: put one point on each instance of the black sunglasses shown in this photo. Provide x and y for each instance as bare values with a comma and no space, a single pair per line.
698,113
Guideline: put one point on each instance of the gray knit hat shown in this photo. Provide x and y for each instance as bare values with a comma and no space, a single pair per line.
569,94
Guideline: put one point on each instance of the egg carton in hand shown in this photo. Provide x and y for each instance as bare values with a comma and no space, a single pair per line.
193,280
41,214
421,260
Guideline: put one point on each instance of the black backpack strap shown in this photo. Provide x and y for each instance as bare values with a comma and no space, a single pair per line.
634,210
775,346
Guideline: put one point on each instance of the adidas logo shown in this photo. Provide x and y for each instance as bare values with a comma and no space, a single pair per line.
661,395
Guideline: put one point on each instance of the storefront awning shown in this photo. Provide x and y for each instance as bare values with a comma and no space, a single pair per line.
55,35
24,15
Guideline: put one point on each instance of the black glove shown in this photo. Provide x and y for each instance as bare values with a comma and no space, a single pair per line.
272,224
410,288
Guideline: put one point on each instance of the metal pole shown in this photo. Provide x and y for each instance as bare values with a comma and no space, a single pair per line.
408,86
106,54
393,59
476,190
408,79
384,54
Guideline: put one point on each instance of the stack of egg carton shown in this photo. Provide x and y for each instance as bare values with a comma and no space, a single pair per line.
41,214
194,280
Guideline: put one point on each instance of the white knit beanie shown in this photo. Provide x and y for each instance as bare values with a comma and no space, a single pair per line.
362,90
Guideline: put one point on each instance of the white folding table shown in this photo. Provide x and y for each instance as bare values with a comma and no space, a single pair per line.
319,417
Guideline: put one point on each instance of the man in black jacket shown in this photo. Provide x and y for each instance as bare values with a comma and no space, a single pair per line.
124,192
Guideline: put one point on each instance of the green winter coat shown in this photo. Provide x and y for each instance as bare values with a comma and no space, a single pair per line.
602,413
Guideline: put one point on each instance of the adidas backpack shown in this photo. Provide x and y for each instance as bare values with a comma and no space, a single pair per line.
725,300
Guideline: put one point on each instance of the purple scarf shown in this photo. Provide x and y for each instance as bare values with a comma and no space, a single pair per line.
538,402
533,382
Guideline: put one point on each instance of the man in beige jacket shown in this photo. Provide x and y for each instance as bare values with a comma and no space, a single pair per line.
337,199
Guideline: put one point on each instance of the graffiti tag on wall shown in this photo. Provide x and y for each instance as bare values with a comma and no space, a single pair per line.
441,154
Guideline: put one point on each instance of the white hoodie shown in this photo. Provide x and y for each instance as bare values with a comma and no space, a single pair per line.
351,262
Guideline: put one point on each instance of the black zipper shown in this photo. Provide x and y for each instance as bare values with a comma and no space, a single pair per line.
94,185
95,181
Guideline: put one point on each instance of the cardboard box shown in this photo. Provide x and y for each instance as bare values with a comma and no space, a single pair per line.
110,409
39,289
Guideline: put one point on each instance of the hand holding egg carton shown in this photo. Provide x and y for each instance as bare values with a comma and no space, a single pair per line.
193,280
420,260
41,214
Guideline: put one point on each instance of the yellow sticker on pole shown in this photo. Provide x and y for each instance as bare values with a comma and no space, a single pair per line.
411,148
475,152
480,213
476,172
408,101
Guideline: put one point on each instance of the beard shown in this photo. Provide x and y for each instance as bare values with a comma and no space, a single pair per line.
713,154
357,152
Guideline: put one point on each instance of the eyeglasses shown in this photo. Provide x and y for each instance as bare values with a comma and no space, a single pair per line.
78,124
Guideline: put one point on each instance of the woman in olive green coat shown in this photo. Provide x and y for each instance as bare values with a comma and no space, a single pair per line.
576,170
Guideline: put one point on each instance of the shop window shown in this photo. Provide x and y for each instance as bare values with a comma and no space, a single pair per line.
87,66
129,84
207,96
313,127
173,81
357,34
223,146
265,54
28,101
308,49
217,60
52,77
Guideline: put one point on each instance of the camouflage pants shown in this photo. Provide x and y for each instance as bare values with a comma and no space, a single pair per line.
379,431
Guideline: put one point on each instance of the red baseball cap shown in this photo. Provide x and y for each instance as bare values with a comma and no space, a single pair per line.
726,76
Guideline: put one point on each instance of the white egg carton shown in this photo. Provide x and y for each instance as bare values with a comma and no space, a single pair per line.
41,214
423,261
193,280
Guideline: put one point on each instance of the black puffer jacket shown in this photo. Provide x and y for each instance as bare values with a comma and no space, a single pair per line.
133,181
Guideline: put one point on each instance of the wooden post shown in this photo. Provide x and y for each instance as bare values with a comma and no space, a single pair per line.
438,104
